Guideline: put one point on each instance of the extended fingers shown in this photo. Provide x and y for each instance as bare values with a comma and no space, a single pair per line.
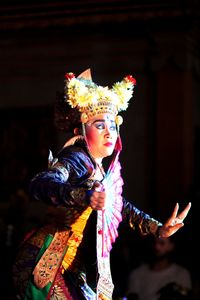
176,219
173,215
184,213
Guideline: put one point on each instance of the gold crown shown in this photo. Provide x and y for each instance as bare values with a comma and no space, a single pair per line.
91,99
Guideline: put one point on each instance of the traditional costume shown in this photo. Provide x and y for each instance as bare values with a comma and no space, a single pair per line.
68,257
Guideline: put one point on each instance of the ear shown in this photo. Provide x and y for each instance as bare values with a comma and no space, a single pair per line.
76,131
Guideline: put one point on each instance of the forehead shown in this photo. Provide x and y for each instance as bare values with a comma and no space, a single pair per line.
103,117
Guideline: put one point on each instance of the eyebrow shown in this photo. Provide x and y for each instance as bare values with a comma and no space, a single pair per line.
102,120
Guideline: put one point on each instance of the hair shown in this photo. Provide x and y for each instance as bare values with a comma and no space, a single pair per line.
66,118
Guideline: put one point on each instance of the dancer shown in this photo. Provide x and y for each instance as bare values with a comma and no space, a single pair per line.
68,256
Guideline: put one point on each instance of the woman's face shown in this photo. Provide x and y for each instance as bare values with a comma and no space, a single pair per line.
101,135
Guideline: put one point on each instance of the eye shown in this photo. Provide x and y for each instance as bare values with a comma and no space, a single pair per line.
100,126
113,127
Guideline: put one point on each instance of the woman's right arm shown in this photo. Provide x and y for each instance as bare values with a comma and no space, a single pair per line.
51,186
60,183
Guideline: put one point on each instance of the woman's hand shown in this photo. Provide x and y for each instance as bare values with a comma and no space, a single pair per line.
175,222
98,197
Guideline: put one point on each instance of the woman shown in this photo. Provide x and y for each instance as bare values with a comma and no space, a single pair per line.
68,257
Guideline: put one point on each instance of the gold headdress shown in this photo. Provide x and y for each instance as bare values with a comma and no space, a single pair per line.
91,99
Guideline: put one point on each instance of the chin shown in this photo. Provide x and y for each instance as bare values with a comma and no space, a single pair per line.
108,153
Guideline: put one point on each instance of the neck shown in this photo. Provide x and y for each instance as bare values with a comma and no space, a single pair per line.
98,161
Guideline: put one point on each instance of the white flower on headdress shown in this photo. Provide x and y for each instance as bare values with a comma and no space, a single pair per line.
78,93
84,93
124,91
103,93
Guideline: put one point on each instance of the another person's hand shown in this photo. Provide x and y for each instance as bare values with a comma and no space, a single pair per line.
98,197
175,222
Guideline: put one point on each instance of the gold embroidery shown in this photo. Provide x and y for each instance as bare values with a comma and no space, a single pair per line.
76,238
49,263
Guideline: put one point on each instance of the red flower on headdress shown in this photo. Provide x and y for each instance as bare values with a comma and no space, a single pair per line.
69,76
130,79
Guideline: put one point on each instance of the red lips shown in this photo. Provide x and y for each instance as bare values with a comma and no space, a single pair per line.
108,144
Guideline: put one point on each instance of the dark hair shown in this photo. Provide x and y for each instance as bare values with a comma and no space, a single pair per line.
66,118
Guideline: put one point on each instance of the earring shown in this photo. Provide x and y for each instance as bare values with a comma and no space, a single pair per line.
76,131
118,121
84,119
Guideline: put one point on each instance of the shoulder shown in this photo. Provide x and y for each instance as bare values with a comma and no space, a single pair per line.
74,153
180,269
183,275
76,159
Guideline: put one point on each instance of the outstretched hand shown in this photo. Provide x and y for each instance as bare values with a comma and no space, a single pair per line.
175,222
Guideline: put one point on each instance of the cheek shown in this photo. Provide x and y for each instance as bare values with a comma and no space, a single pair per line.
115,136
91,136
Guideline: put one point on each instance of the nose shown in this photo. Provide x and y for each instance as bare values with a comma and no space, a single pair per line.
107,131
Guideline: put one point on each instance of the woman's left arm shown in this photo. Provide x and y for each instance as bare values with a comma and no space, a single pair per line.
139,220
148,225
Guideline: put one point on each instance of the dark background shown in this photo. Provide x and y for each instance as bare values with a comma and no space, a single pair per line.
158,42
